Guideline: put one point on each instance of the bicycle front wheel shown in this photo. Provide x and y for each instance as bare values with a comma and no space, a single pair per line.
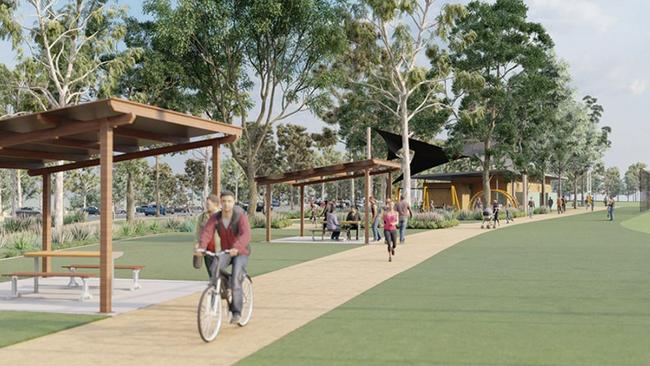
247,305
209,313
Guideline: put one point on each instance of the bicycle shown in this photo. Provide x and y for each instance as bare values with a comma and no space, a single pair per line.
216,300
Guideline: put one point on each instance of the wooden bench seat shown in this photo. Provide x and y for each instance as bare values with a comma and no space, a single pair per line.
135,268
85,295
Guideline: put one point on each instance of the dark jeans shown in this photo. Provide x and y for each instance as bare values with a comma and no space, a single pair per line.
239,264
391,238
403,223
375,229
336,233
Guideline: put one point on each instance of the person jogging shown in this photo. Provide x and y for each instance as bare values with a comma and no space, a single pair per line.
231,223
531,207
389,217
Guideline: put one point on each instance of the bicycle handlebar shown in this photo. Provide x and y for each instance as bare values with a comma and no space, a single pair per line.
212,254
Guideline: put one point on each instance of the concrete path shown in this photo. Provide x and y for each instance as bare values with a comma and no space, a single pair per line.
166,334
56,297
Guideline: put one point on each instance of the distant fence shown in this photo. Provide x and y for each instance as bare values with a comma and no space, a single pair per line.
644,187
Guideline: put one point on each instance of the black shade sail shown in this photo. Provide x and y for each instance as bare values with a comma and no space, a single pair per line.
426,156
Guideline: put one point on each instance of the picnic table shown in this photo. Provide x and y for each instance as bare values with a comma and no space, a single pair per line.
345,225
37,255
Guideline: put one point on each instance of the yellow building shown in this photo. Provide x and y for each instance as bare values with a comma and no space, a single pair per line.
462,190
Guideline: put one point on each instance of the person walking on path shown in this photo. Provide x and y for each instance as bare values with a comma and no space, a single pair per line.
231,223
531,207
404,210
333,223
550,203
610,208
314,215
389,217
508,209
563,204
495,216
211,208
374,211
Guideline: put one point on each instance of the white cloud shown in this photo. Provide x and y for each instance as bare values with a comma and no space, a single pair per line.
575,12
638,87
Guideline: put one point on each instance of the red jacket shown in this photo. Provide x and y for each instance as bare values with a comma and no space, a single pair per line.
226,235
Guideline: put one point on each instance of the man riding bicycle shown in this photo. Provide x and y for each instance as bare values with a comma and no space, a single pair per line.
231,223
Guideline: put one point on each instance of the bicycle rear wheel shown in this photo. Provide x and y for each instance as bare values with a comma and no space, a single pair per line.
247,306
209,313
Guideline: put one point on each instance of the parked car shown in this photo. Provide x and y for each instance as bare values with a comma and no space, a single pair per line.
180,210
260,206
92,210
121,211
151,210
275,203
27,211
141,209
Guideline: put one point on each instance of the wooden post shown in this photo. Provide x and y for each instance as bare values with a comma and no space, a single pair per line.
47,223
367,207
302,210
106,219
216,169
268,213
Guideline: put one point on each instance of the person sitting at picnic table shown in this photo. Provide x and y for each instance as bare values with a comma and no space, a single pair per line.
333,223
353,215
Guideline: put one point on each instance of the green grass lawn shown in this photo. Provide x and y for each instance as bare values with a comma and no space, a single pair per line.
572,291
21,326
166,256
169,256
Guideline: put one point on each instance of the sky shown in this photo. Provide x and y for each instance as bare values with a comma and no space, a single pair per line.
607,46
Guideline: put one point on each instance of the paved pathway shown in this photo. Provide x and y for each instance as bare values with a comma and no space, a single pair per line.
165,334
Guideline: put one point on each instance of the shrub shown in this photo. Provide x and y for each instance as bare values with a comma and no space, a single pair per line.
24,241
540,211
77,216
432,220
13,225
278,221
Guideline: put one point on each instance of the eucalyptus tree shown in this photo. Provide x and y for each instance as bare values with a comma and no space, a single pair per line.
383,69
505,44
73,46
271,52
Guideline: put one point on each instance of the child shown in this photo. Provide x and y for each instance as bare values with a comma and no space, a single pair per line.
211,208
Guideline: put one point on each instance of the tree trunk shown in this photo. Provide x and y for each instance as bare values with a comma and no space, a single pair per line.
524,190
322,191
352,195
237,189
58,204
406,151
84,200
559,184
130,198
252,187
157,186
582,189
291,197
543,202
17,199
575,192
206,173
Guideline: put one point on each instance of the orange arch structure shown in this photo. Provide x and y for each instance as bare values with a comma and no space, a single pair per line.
509,197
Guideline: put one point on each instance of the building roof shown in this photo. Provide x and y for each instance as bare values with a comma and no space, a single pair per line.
71,134
455,175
